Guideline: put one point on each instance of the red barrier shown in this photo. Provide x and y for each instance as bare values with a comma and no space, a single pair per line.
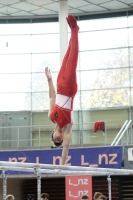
76,186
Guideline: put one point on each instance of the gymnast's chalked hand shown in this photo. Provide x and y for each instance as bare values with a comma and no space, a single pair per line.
58,171
48,73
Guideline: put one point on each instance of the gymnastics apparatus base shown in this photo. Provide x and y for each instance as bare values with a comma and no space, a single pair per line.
39,169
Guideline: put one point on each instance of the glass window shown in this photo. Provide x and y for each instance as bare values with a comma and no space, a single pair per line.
105,98
99,24
76,105
99,79
40,61
130,36
45,43
111,58
40,101
39,82
16,63
26,49
130,21
15,102
131,96
131,74
103,39
15,44
15,29
48,27
131,57
15,83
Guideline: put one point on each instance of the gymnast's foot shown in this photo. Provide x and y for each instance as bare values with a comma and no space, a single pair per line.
72,21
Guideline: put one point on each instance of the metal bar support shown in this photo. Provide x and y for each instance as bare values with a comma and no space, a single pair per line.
38,174
109,186
4,184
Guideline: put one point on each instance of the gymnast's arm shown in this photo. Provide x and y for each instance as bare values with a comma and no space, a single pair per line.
52,92
66,141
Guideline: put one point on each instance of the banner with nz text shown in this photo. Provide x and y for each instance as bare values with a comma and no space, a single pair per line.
105,157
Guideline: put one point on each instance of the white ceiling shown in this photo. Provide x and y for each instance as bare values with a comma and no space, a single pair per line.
50,8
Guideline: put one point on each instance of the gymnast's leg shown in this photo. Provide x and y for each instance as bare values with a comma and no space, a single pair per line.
67,83
63,66
71,64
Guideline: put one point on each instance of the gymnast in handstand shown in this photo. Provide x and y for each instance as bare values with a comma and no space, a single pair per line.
61,102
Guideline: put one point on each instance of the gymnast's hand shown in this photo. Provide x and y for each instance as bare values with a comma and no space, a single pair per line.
48,73
58,171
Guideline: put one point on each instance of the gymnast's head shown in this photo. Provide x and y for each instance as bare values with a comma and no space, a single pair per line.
57,136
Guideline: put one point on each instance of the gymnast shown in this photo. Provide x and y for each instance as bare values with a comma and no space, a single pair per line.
61,102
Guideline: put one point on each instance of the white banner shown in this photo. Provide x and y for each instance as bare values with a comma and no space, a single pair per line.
130,154
128,157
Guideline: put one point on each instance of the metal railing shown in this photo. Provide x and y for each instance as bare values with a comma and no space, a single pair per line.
39,136
124,129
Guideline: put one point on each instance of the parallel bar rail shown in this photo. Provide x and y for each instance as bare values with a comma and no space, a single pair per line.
15,165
